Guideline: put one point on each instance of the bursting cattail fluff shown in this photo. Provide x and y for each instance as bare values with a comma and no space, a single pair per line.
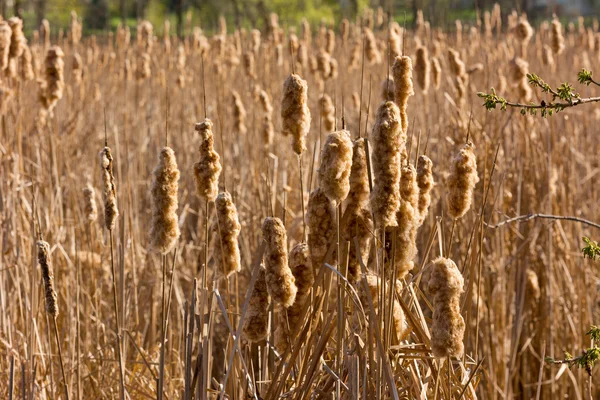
327,112
5,34
371,51
164,227
557,38
295,114
267,126
436,72
461,182
208,168
336,162
110,193
407,220
256,323
425,183
320,219
48,277
280,281
17,44
445,285
225,241
403,87
54,83
239,114
91,210
358,221
26,71
387,142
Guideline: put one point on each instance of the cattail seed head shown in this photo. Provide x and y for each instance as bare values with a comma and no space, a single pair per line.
48,277
5,35
407,219
336,163
461,182
320,218
295,114
256,323
164,227
239,114
225,241
27,73
110,193
436,72
557,38
422,68
280,281
447,331
327,112
54,83
425,183
372,53
387,143
89,195
403,87
208,168
17,44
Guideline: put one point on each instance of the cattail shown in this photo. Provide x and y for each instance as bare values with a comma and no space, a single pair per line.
374,289
459,31
344,31
239,114
403,87
457,66
302,55
524,31
387,142
387,89
324,64
5,35
288,323
524,90
327,112
77,68
17,44
164,227
306,32
336,162
320,218
280,281
395,39
407,221
475,68
425,183
145,37
436,72
333,68
167,36
358,222
48,276
330,41
53,86
75,29
557,39
461,182
422,68
267,126
110,193
225,243
255,40
143,70
256,323
295,113
222,26
26,70
89,195
519,69
45,32
208,168
371,51
279,55
355,54
249,66
448,328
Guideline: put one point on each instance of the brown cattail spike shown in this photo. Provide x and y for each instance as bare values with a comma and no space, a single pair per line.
91,211
461,182
208,168
336,163
256,323
48,277
110,193
320,218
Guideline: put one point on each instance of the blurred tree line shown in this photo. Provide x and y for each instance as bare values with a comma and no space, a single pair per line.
100,15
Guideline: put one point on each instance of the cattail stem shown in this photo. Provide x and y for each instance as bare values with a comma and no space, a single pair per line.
302,197
161,374
62,365
449,246
118,328
204,276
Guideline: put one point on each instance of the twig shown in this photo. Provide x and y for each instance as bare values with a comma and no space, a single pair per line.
529,217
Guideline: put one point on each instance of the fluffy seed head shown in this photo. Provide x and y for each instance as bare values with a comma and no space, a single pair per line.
320,218
557,38
336,163
256,323
403,87
436,72
164,227
5,34
226,230
239,114
327,112
280,281
208,169
89,195
425,183
387,143
422,68
445,285
295,114
461,182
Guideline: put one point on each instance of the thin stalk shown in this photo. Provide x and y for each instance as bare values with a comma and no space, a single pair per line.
118,330
62,365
